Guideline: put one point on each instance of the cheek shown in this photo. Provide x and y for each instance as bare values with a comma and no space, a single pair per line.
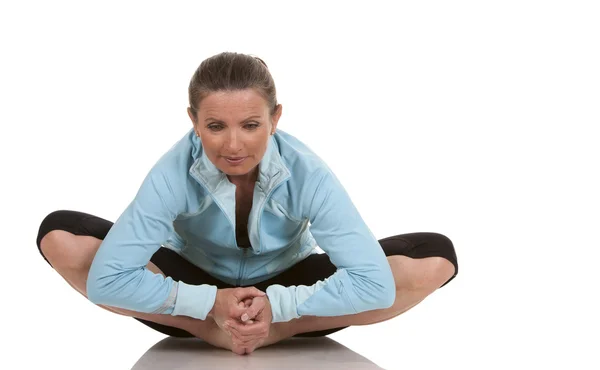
254,146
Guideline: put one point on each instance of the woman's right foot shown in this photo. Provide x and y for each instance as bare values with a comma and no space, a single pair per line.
215,336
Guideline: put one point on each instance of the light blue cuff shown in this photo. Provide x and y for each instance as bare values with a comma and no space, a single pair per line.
283,302
169,305
194,300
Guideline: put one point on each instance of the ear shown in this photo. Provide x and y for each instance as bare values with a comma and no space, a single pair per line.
191,115
275,117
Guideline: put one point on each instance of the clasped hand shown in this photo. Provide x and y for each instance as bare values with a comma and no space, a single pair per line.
244,313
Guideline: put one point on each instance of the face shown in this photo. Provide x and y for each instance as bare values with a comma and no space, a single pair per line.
235,124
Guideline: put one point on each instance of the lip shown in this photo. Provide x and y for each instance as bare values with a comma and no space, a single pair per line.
235,161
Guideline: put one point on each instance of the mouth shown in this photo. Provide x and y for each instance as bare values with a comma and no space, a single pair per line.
235,160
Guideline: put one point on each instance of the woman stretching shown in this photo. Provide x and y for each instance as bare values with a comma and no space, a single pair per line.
220,240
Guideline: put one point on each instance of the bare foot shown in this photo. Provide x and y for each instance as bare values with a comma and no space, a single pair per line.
277,333
215,336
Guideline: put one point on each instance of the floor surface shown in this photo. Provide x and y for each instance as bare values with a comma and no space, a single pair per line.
292,353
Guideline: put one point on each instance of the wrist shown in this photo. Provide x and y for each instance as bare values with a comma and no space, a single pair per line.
211,313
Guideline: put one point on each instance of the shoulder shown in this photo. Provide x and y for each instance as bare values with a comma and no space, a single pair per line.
302,161
178,157
310,177
174,164
168,176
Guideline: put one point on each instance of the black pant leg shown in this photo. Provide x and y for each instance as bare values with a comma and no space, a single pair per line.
319,267
421,245
77,223
80,223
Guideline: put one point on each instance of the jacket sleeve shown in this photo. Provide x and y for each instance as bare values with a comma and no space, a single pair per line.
118,275
363,280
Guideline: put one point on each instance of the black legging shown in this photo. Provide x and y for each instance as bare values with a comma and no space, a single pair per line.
307,272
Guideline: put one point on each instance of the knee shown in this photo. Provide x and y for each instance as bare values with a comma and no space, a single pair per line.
430,264
52,248
440,271
53,241
44,239
441,246
53,221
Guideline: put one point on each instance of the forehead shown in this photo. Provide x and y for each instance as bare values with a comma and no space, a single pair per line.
225,103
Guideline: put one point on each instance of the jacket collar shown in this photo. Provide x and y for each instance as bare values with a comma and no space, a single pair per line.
272,169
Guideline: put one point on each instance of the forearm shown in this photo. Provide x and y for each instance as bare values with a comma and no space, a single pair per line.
196,327
334,296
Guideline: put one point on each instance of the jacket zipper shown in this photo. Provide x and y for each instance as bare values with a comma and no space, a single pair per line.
243,263
262,207
243,258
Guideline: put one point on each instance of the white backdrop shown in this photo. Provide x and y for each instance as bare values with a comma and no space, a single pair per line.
472,119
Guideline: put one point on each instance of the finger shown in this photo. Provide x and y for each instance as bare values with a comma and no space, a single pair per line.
242,305
257,328
237,336
236,308
258,305
234,329
238,295
245,338
241,314
248,292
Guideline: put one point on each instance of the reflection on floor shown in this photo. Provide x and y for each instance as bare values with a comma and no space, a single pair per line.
293,353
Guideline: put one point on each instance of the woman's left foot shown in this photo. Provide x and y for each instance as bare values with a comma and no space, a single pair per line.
277,333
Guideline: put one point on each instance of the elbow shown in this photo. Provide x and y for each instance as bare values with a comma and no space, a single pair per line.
387,290
94,294
97,286
388,297
380,294
374,293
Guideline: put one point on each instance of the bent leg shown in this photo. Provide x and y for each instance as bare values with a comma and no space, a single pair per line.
71,254
407,271
420,262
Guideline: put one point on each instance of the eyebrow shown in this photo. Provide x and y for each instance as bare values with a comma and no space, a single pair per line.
219,121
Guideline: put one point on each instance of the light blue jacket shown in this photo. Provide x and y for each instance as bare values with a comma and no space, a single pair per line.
187,204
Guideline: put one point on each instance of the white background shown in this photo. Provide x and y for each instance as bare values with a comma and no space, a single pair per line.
468,118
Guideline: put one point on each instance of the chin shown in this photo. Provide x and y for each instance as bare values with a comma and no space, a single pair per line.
237,170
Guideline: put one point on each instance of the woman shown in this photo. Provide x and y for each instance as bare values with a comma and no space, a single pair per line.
219,241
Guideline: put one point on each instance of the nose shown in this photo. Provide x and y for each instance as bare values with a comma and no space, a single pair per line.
233,143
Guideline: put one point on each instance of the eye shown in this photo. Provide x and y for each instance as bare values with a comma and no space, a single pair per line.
250,126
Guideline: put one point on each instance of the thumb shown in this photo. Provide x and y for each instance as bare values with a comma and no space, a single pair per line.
251,312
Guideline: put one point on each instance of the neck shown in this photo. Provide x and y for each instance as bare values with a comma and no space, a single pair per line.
243,180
